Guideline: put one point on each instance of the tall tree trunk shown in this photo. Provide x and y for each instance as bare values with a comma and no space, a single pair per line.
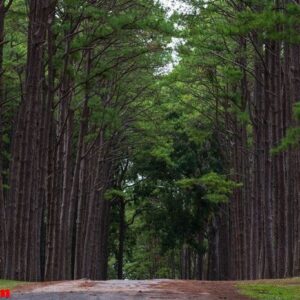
74,218
23,251
3,230
122,229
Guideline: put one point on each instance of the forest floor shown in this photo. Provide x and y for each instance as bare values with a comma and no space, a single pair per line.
119,290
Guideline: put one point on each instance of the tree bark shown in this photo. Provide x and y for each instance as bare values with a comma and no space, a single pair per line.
23,252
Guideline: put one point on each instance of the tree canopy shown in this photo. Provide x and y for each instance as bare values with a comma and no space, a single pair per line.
139,142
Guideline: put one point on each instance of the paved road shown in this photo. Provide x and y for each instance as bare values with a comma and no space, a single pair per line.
120,290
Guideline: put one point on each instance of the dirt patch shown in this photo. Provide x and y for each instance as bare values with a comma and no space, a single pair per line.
127,289
219,289
87,284
27,287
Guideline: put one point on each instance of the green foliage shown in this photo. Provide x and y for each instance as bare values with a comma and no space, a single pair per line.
292,137
265,19
218,187
189,183
111,194
174,184
170,127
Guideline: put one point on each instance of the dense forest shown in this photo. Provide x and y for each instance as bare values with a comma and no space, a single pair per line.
144,139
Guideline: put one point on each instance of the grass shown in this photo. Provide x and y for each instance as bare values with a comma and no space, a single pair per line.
287,289
9,284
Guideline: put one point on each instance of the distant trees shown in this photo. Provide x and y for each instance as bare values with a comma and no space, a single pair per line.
172,189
